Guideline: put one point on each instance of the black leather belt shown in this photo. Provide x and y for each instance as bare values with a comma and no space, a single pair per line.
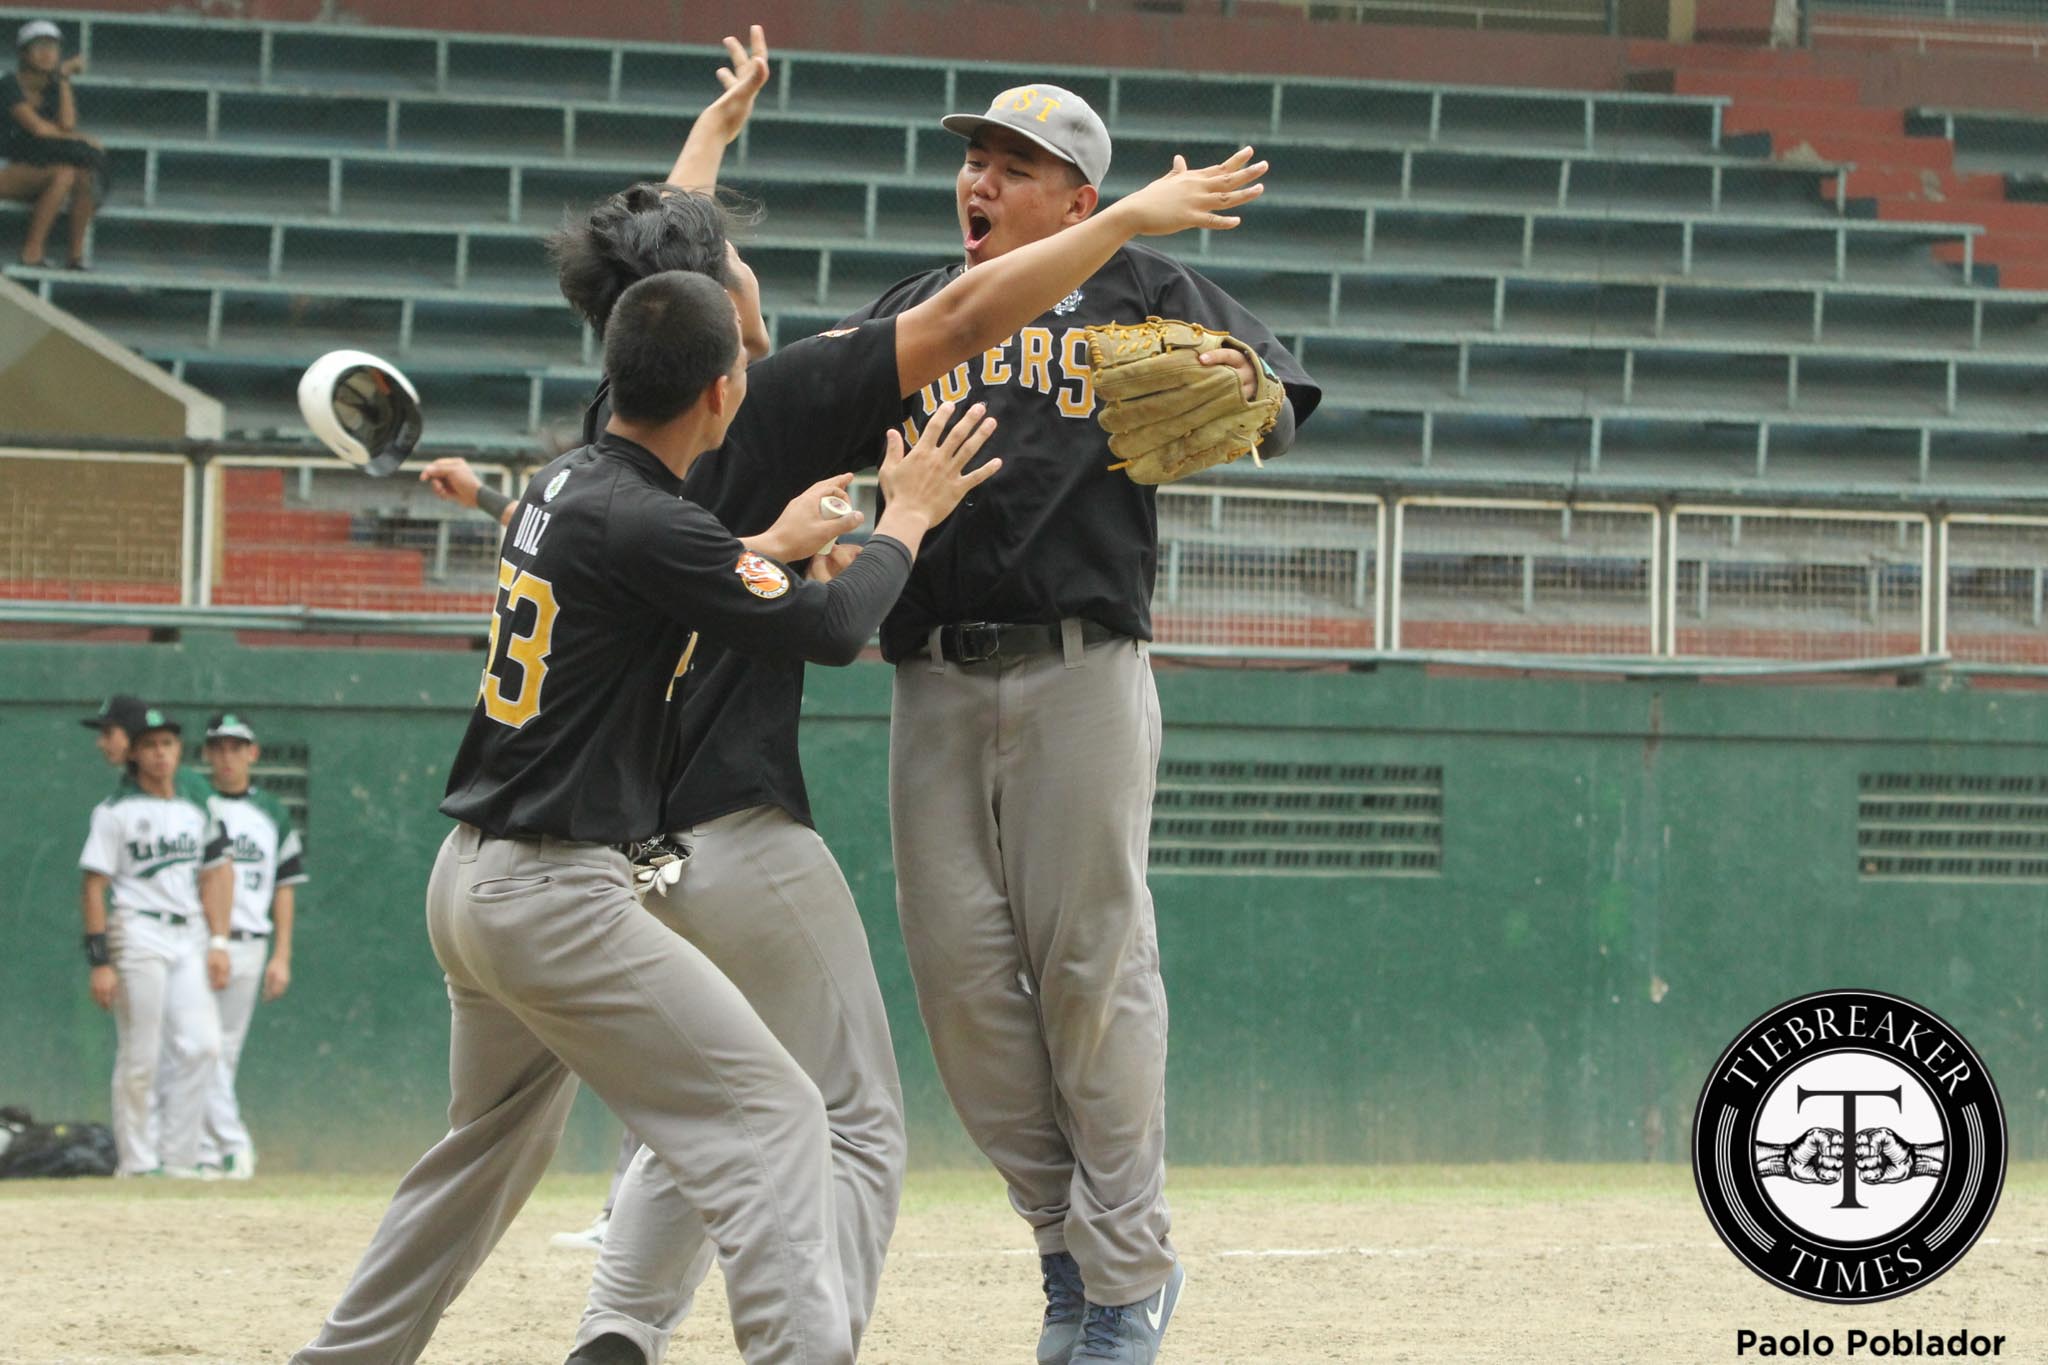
244,935
974,642
175,921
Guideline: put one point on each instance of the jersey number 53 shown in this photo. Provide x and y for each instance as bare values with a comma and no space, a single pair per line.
524,656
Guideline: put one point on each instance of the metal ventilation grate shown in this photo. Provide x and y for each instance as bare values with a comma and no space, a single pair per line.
1952,827
1225,818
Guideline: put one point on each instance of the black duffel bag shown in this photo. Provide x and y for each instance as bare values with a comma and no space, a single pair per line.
50,1151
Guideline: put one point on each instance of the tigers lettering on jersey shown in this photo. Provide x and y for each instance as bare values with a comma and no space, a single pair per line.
1058,534
1045,363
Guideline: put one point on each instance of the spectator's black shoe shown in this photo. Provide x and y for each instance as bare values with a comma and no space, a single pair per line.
78,263
609,1349
38,264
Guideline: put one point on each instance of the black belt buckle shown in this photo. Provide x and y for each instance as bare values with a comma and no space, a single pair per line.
662,846
977,641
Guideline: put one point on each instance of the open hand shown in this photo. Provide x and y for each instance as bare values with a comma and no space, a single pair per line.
1183,198
932,476
743,80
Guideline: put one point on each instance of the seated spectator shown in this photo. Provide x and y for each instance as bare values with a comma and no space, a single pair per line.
43,156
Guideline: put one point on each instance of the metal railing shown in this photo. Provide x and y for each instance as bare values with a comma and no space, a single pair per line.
296,542
2015,27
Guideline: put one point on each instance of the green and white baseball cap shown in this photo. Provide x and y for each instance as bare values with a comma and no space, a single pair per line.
228,725
1052,116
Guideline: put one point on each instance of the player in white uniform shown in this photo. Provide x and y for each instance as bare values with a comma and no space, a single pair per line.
157,885
268,865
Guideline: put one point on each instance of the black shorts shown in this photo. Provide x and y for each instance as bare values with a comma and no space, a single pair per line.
63,151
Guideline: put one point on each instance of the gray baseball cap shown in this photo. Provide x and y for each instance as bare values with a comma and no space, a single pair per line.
1055,118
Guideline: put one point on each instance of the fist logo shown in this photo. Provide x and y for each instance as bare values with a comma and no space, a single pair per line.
1815,1157
1885,1158
1808,1152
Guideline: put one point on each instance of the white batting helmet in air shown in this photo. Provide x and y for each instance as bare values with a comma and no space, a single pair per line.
362,409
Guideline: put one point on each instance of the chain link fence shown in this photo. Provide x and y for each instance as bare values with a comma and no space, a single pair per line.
1995,572
1534,578
2016,28
318,534
1756,583
80,527
1240,573
1240,570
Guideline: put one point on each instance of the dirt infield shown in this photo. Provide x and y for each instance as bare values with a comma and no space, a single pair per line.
1474,1264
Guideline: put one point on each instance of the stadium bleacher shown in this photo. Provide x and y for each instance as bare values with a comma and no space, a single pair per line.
1628,282
1725,274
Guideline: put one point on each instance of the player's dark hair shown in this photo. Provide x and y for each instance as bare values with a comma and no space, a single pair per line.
671,336
639,232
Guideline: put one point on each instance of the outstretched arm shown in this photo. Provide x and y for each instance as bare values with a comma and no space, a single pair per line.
991,301
454,481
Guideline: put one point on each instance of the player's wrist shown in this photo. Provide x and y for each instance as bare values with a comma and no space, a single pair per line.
97,953
1123,218
905,522
217,943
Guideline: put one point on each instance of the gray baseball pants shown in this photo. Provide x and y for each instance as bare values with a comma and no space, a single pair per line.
555,972
1020,801
762,898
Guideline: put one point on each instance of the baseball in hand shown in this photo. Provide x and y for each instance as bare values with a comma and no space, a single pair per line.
832,507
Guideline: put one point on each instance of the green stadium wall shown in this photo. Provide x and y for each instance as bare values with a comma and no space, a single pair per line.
1630,871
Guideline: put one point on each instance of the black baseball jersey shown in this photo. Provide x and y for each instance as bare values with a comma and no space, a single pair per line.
1057,534
817,407
607,573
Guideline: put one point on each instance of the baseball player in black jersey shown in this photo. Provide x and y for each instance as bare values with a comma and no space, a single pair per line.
762,896
1025,740
553,971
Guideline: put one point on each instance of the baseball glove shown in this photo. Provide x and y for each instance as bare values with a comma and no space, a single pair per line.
1167,414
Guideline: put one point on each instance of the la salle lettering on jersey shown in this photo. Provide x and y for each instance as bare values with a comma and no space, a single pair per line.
1044,362
533,524
145,850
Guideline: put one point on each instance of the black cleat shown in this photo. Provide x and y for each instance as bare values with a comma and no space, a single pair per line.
609,1349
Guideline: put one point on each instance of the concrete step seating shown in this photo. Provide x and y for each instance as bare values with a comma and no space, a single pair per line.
1445,258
